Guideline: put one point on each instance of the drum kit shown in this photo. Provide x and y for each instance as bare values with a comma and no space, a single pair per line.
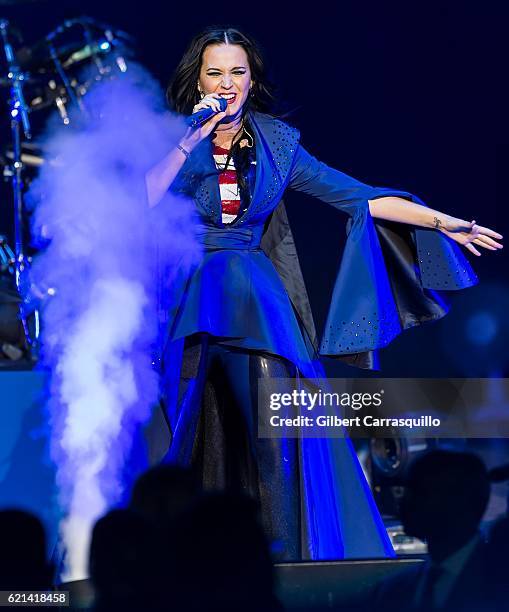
50,78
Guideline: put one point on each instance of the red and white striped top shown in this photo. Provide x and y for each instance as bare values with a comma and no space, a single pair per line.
228,185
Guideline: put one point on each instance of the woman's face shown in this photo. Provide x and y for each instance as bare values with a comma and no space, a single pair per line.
225,71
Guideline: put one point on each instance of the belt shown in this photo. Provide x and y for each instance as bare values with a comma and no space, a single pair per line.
243,239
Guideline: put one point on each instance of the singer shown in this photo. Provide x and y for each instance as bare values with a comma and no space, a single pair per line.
244,313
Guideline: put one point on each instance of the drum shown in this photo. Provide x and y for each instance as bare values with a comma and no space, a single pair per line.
64,65
53,75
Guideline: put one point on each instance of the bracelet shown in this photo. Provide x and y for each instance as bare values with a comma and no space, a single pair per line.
184,151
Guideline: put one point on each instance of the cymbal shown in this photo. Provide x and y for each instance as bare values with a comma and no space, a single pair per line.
39,55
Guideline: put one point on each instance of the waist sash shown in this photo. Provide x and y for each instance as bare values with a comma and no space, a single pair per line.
233,238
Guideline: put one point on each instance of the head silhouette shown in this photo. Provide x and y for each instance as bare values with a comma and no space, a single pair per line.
164,492
445,498
124,561
23,564
223,557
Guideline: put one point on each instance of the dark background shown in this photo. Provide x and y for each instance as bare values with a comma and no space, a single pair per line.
398,94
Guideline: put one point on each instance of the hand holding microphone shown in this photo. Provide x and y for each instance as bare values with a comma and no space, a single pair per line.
208,106
159,178
206,115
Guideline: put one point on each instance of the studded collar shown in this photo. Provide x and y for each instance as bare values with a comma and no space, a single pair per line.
276,144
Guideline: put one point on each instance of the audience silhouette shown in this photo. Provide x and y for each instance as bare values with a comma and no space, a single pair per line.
23,564
445,497
176,548
124,563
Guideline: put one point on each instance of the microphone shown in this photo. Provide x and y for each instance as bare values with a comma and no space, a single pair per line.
199,117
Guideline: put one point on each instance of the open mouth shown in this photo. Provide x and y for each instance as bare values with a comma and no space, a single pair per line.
230,97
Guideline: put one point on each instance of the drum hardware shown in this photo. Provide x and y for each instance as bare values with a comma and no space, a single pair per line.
20,124
73,98
55,73
7,257
15,328
97,42
31,156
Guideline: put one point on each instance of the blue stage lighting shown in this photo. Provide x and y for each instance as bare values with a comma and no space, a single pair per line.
482,328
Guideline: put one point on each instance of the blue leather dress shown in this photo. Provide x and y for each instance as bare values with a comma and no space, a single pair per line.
247,292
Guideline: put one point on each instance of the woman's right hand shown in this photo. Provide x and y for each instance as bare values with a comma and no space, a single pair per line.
194,136
159,178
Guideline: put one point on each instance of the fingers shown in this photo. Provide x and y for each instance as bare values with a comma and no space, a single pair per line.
489,232
484,245
472,249
208,101
215,119
487,242
475,236
211,123
204,104
486,231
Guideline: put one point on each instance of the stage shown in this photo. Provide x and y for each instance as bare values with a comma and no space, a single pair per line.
304,586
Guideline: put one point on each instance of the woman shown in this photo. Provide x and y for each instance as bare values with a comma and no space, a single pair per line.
243,312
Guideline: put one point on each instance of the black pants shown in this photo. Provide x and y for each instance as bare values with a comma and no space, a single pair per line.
226,448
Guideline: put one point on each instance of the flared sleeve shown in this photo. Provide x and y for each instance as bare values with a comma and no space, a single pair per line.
391,275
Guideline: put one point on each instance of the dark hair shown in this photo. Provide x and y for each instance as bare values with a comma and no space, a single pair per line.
182,93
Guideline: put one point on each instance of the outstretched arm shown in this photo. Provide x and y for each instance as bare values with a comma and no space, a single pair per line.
466,233
315,178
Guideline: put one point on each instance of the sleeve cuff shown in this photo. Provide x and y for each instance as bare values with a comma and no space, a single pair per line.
388,281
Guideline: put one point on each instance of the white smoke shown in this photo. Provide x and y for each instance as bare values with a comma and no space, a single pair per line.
100,326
